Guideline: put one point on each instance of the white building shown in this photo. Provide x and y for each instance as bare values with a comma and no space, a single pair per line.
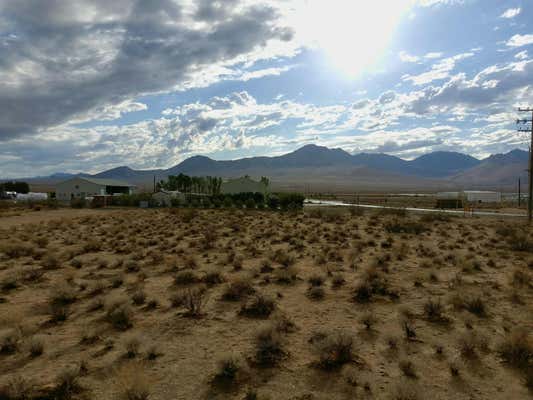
81,187
481,196
32,196
472,196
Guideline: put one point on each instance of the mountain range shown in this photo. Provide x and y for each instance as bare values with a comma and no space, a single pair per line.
320,168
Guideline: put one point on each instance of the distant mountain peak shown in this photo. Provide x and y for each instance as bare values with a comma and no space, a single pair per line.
336,167
122,168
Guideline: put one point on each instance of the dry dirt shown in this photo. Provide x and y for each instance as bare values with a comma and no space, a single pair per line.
441,312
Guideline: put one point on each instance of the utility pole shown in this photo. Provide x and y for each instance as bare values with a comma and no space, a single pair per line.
519,192
526,125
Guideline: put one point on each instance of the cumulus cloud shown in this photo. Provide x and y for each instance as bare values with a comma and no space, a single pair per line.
511,13
64,59
408,58
499,83
440,70
520,40
521,55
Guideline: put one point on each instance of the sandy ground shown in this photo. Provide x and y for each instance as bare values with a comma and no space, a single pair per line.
28,216
83,261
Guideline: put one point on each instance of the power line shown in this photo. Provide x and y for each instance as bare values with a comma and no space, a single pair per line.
526,125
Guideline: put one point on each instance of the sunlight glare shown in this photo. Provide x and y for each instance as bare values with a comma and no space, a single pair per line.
353,33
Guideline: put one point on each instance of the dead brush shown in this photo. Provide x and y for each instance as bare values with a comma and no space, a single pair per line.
519,238
368,319
213,277
132,382
405,226
186,278
408,326
434,311
132,266
36,346
316,280
50,262
372,284
9,341
474,304
61,295
521,277
283,323
337,280
97,287
190,262
269,349
193,300
209,238
282,257
16,249
238,289
31,274
67,382
471,344
333,350
517,349
138,297
132,346
408,368
258,306
92,246
316,292
406,391
237,263
231,371
118,313
286,276
17,388
10,282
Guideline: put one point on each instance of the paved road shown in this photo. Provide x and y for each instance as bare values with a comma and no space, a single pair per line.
314,203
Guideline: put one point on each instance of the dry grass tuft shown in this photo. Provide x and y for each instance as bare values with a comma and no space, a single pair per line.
132,382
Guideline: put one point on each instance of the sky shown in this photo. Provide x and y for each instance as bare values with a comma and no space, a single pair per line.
88,85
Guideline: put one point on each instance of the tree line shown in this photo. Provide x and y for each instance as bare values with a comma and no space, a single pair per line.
19,187
192,184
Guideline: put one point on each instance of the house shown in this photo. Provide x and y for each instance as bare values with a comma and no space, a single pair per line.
164,198
244,185
82,187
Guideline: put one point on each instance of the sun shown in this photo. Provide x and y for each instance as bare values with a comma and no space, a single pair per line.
353,34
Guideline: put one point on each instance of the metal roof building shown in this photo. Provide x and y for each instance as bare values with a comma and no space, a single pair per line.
81,187
472,196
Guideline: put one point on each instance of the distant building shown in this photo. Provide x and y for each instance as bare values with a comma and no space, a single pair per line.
32,196
81,187
457,199
482,196
244,185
